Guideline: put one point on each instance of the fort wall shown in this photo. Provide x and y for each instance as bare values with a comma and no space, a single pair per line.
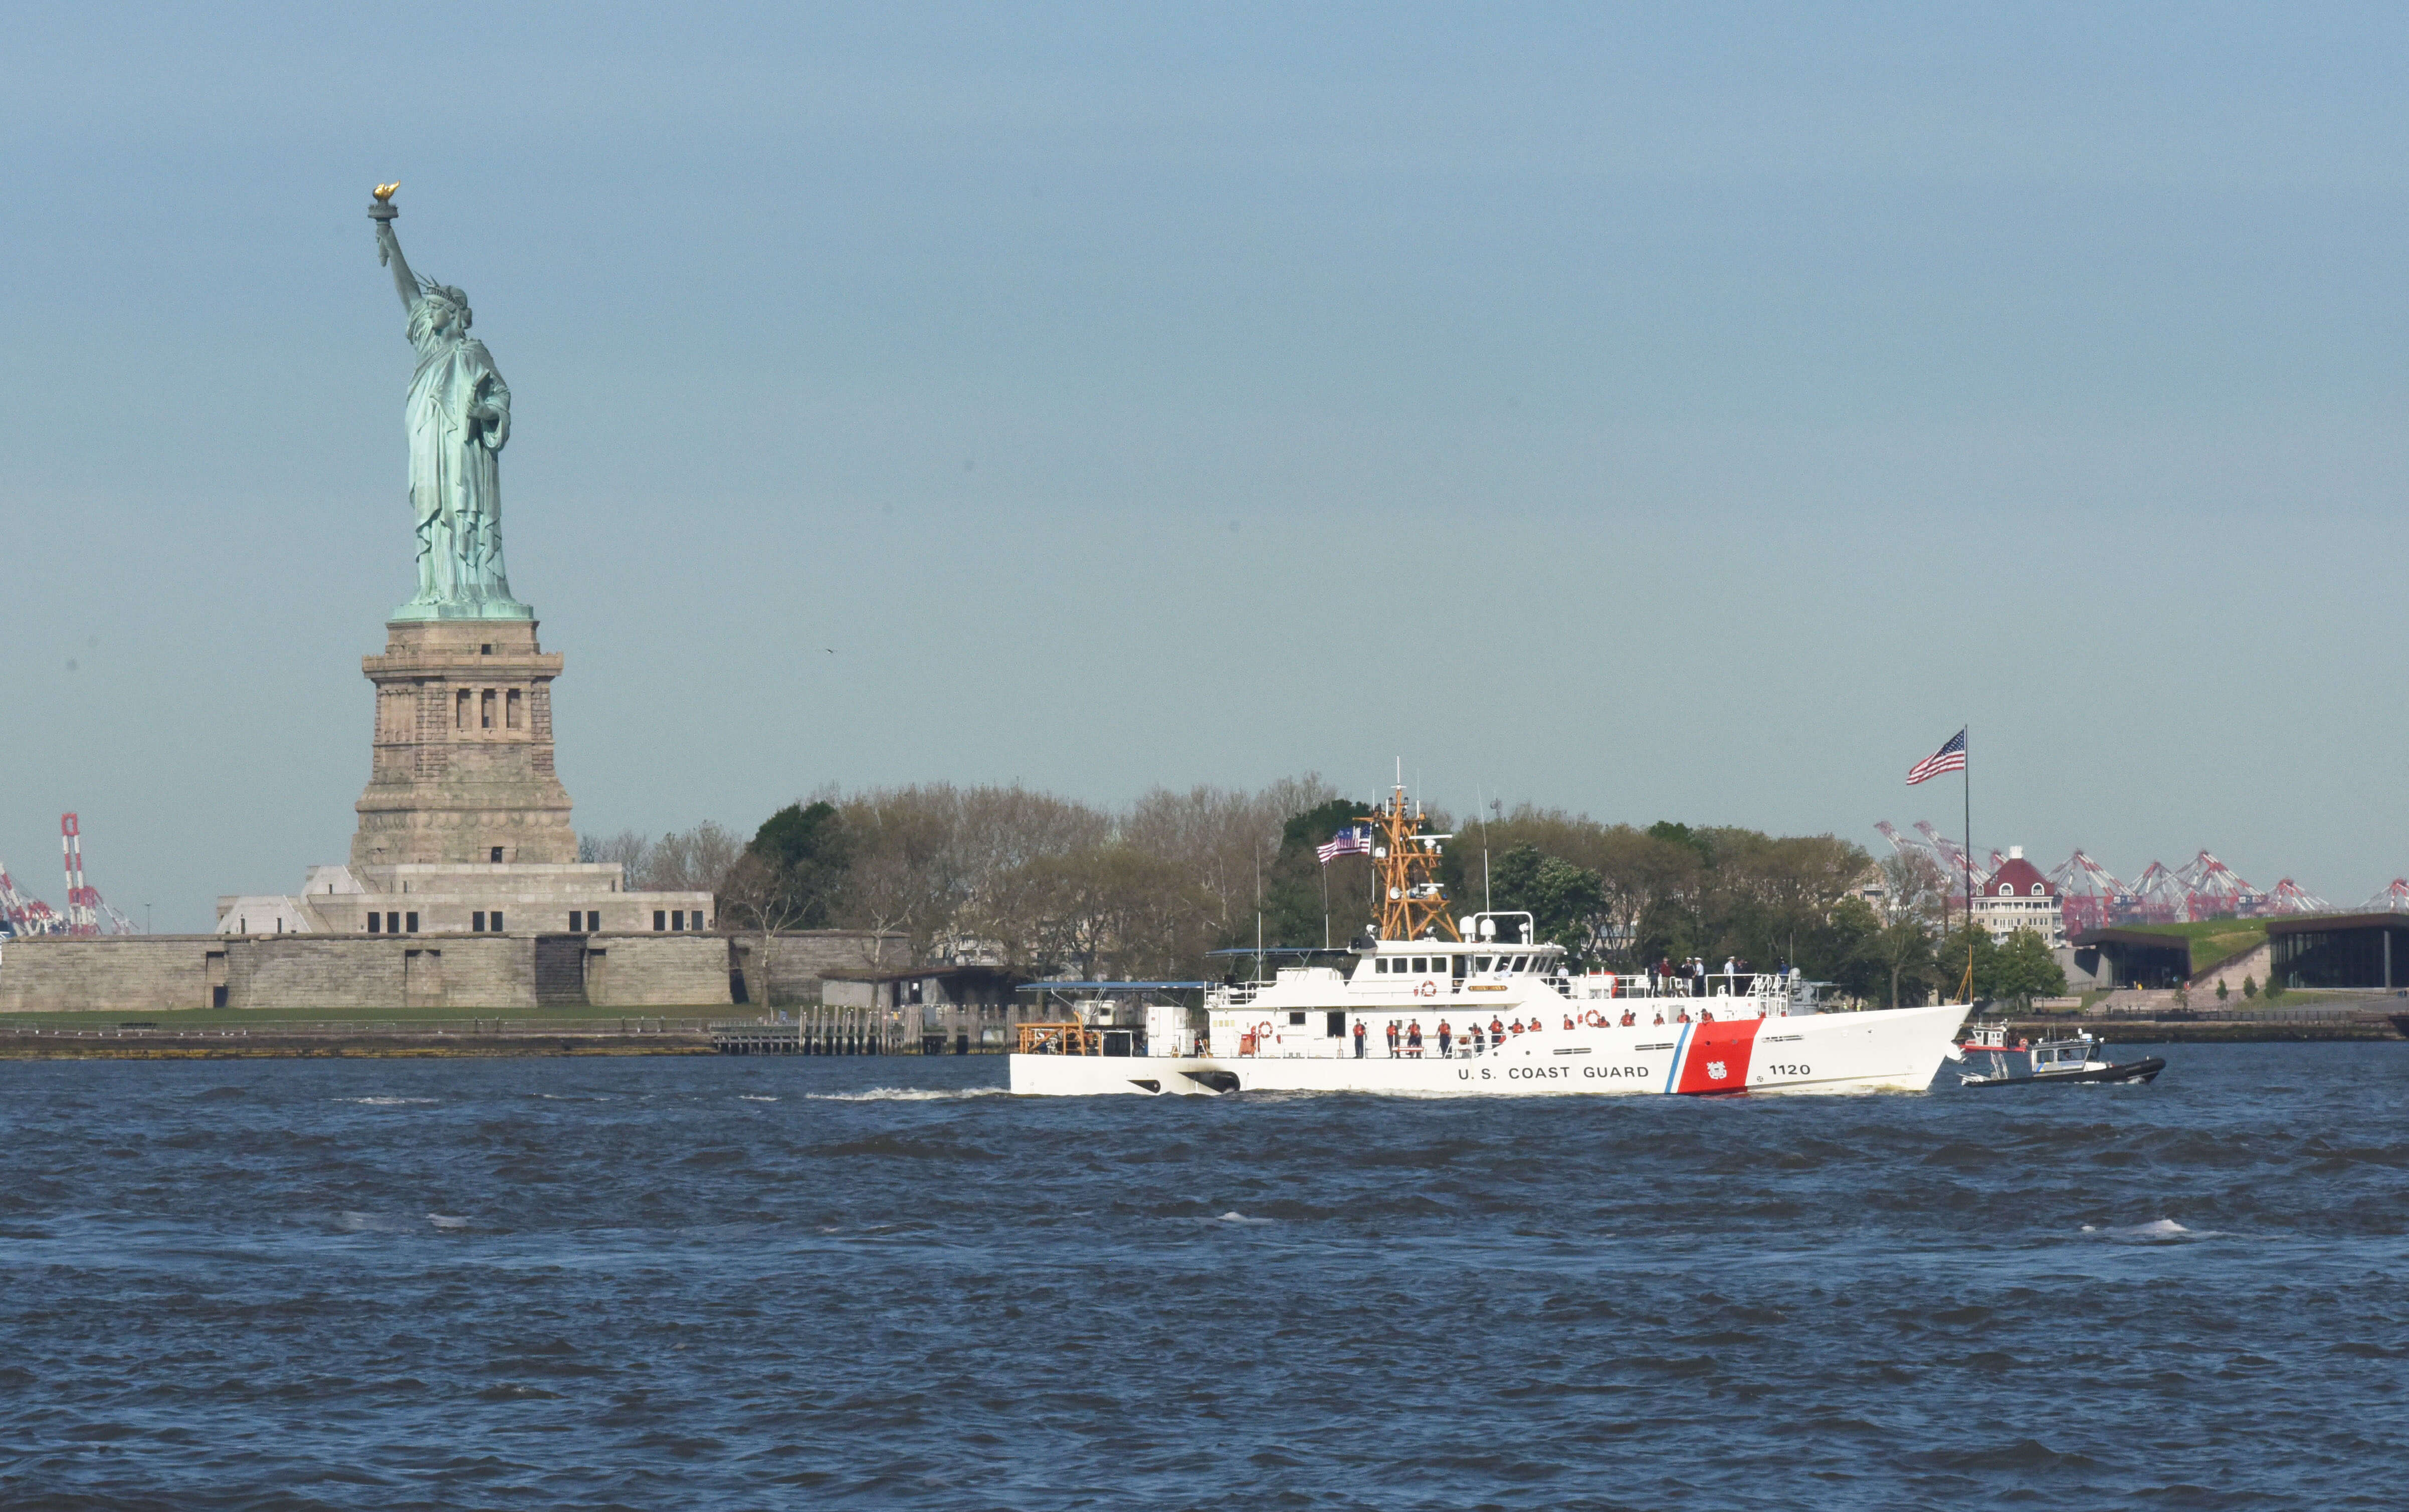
504,973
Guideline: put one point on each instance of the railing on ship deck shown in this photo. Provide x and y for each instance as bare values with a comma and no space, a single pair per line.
1061,1040
1763,990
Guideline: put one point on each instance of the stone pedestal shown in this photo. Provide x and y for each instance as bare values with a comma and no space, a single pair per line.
463,771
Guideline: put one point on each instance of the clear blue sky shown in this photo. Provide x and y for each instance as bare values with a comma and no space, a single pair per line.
1680,412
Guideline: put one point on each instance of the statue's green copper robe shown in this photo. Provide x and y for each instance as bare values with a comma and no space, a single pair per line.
455,476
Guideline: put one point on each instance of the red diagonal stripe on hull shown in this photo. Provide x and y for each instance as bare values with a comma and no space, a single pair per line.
1725,1043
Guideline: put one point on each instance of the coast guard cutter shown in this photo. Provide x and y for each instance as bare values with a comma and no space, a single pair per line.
1475,1006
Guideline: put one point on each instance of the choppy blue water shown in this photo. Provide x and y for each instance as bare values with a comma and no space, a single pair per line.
682,1283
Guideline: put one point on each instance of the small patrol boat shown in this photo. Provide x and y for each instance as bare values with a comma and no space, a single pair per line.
1431,1004
2082,1058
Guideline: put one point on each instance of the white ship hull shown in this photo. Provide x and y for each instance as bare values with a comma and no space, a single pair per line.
1882,1050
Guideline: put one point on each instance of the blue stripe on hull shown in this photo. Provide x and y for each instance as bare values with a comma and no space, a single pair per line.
1680,1048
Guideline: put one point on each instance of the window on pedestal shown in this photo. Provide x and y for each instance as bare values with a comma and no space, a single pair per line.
514,712
460,710
486,709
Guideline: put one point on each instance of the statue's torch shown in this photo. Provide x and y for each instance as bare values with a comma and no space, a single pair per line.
382,210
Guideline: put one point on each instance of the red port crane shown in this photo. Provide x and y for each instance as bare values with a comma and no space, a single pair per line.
25,915
86,913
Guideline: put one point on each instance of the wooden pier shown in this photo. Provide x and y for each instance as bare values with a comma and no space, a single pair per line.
812,1034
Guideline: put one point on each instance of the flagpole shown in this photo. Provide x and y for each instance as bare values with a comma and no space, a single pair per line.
1967,773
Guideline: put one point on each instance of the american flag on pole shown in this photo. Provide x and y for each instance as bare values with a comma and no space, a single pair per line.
1351,842
1950,757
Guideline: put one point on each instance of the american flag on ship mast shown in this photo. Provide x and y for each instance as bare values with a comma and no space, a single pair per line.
1354,841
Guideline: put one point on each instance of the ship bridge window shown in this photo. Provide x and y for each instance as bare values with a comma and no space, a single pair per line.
1421,964
1480,963
1381,963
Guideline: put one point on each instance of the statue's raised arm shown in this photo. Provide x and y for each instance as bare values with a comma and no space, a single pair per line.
389,245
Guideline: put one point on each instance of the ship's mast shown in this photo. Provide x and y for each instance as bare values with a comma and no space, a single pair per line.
1404,862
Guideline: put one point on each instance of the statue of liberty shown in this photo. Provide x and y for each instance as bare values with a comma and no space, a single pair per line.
459,417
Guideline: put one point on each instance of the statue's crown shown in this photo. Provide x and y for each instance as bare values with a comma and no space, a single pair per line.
444,292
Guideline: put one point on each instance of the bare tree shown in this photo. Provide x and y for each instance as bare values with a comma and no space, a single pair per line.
627,848
1218,836
1105,908
754,898
907,874
1913,886
691,860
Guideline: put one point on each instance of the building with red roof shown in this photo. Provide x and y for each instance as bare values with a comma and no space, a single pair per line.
2018,896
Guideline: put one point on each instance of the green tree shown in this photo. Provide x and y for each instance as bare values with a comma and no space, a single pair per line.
2022,969
1884,963
791,877
1294,879
2220,989
1564,900
1853,939
2249,988
1693,841
798,859
1950,959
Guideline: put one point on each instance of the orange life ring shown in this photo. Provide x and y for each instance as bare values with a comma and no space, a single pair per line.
1593,1020
1428,989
